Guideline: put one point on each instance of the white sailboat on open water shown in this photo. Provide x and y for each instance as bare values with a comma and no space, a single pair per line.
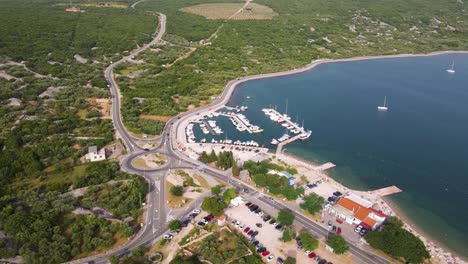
384,107
452,69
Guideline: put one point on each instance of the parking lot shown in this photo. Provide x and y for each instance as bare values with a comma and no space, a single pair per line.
269,236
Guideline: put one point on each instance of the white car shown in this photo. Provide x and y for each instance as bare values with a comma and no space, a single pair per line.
357,229
307,252
260,214
168,237
173,233
270,258
196,211
275,224
241,226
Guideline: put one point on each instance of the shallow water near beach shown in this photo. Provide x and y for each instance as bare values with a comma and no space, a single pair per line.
420,144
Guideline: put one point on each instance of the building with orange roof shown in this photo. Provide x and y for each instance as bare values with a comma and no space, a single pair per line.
357,213
222,220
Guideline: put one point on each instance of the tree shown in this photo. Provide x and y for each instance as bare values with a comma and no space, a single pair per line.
114,259
290,260
216,190
228,195
212,206
285,218
204,157
288,235
398,242
177,190
235,169
308,242
174,224
338,244
313,203
213,156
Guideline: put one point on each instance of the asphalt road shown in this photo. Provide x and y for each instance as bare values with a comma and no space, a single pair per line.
155,223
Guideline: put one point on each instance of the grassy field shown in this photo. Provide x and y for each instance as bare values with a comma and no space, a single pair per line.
229,10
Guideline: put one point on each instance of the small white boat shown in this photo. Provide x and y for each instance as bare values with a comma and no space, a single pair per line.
274,142
452,69
384,107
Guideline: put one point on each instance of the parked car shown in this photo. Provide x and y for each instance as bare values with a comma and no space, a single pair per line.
250,232
266,218
322,261
338,220
196,211
260,213
363,231
357,229
248,204
307,252
168,237
338,230
259,225
334,228
317,258
261,249
233,221
280,260
272,221
246,229
265,253
278,226
201,223
254,233
270,258
257,211
255,242
312,255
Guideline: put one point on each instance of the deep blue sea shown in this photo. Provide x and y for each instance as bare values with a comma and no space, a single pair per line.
420,144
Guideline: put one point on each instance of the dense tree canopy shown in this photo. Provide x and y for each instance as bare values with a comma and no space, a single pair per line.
285,218
338,244
313,203
308,242
398,242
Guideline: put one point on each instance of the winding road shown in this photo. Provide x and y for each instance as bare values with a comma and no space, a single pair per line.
155,220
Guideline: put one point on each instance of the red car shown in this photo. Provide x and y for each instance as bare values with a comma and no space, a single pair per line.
338,230
312,255
210,217
339,221
266,253
246,230
250,232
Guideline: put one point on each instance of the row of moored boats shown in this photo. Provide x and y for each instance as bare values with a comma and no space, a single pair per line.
285,121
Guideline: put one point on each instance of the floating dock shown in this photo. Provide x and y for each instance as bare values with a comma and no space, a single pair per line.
281,144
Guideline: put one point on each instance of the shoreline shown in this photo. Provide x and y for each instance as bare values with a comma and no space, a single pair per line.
445,255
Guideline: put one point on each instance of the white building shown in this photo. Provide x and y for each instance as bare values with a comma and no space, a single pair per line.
95,155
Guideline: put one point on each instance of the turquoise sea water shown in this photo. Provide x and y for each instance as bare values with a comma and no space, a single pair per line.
420,144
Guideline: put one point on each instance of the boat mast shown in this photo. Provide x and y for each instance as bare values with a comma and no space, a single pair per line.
385,101
286,106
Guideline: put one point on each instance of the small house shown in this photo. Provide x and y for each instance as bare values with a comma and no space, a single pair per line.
222,220
95,155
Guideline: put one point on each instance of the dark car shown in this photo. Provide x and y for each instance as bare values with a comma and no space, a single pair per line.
146,149
337,194
254,233
258,225
278,226
253,208
201,223
246,229
250,232
266,218
260,250
323,261
279,260
255,242
248,204
334,228
272,221
363,231
258,211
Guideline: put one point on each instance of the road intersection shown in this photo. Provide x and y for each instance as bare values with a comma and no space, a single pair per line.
155,220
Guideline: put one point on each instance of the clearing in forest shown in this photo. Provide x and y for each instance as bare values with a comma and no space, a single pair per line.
227,10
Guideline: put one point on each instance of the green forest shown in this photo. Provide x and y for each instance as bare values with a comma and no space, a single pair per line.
48,119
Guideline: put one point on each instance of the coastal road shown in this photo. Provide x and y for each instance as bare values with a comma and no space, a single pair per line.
155,220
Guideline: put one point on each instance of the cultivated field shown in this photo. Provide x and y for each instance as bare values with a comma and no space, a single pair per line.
227,10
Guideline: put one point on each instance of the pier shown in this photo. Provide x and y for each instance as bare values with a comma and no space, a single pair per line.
386,191
209,128
285,121
324,167
280,145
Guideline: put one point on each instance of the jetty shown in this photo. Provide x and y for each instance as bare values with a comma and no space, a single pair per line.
386,191
281,144
324,167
